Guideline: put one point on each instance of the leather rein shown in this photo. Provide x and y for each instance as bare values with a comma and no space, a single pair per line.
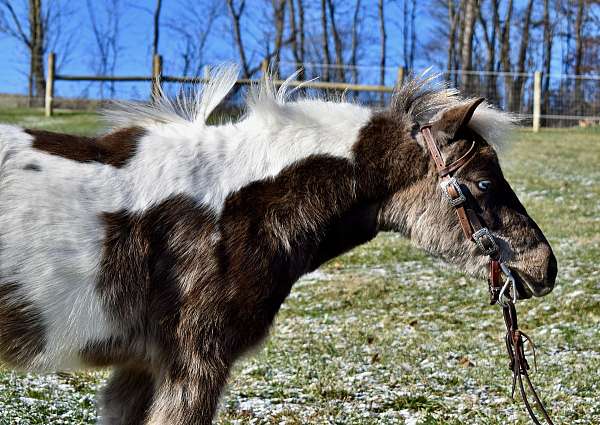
505,295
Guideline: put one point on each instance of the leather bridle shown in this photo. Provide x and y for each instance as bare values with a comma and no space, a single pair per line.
505,294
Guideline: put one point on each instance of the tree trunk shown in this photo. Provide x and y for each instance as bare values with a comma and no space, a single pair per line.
453,19
354,43
36,29
297,37
156,28
383,35
237,35
301,30
413,35
325,41
467,43
408,33
279,18
490,38
517,86
337,42
548,36
579,45
505,62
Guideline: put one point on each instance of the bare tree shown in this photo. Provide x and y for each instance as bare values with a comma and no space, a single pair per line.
106,28
454,14
409,36
279,21
547,56
383,36
270,39
155,39
325,41
579,47
490,37
505,62
337,42
297,34
354,42
467,42
192,28
517,85
30,32
236,15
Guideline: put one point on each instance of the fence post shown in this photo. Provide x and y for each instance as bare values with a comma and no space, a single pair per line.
400,76
156,74
537,99
49,109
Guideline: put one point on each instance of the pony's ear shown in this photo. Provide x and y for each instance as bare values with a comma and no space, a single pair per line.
450,120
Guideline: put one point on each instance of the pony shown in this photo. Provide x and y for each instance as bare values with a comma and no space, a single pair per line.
164,248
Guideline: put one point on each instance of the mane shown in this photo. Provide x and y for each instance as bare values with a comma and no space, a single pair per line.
194,107
424,96
187,108
421,98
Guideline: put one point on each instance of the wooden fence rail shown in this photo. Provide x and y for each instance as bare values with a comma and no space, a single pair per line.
157,78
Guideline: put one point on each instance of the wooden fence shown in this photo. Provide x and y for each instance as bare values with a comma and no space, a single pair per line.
157,78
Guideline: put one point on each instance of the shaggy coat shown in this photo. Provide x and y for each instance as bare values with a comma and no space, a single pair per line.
165,248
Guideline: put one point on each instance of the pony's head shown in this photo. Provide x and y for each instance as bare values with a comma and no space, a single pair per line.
421,211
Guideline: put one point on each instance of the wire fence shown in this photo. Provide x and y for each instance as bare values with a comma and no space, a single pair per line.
554,100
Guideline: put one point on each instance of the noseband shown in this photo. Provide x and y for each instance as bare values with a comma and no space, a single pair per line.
505,294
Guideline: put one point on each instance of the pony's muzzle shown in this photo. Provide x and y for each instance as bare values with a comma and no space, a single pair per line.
536,276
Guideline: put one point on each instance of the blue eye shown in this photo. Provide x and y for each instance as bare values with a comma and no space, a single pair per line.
484,185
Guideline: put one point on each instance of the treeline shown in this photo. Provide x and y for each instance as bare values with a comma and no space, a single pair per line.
507,40
498,43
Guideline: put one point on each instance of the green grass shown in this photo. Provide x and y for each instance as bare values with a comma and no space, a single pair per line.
388,335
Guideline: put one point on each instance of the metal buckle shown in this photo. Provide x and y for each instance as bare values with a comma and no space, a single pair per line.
461,196
485,241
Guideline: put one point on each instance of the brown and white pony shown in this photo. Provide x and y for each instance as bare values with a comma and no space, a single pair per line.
166,247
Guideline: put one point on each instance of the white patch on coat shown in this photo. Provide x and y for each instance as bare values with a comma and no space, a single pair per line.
51,240
183,155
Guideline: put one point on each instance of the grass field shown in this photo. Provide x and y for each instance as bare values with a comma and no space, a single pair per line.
387,335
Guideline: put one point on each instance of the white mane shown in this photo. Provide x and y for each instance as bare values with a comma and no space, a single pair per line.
186,108
421,97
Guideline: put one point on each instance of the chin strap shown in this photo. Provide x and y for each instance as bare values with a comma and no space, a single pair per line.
515,342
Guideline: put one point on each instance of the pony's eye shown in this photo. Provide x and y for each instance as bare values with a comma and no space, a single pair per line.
484,185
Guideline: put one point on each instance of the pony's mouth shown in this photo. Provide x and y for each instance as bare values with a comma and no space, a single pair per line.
526,289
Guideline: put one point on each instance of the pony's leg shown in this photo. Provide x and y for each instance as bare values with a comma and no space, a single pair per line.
189,395
127,397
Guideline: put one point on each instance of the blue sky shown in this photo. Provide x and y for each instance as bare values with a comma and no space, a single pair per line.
136,35
135,43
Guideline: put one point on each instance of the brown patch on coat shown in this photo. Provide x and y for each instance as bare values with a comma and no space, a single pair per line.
114,149
116,350
207,288
127,397
386,156
22,330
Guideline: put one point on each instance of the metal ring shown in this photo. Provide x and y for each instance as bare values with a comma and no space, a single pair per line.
510,280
